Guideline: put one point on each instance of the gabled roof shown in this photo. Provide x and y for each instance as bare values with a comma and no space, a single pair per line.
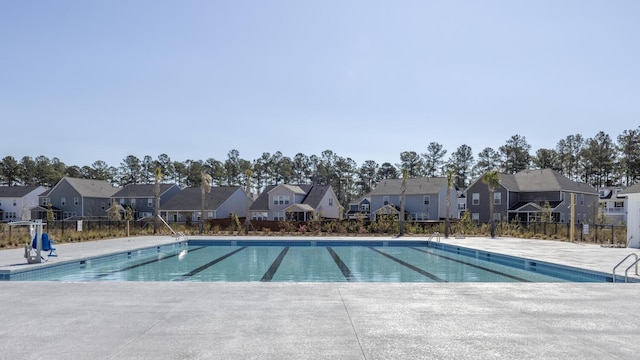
90,188
299,208
17,191
634,189
191,198
549,180
296,189
314,194
540,180
141,190
415,186
534,205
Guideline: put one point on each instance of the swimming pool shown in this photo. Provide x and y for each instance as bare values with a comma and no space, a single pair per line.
310,261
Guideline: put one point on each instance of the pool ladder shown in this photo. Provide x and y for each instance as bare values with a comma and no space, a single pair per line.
435,235
179,235
626,272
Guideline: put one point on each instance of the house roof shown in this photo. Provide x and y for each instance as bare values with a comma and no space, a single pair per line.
314,195
549,180
91,188
541,180
414,186
191,198
296,189
633,189
17,191
141,190
523,205
299,208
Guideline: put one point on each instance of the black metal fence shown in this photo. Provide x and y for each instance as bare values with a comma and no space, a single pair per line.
80,229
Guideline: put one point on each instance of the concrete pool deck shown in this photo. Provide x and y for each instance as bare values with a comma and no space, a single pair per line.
177,320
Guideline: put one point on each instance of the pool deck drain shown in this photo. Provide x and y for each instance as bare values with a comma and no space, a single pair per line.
178,320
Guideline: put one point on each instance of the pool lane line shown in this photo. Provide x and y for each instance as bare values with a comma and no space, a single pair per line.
406,264
207,265
274,266
97,276
341,265
475,266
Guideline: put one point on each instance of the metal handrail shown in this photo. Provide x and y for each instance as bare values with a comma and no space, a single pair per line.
623,260
436,235
178,234
626,277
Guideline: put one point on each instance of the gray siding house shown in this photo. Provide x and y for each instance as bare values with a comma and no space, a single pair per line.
613,205
72,197
220,202
16,202
633,217
523,196
296,202
425,199
141,197
360,208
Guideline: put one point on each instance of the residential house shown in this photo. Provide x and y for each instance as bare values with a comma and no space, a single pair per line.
613,205
524,196
141,197
425,199
219,202
360,208
633,217
16,202
73,197
296,202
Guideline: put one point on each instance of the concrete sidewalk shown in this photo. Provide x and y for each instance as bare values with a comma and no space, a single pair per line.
170,320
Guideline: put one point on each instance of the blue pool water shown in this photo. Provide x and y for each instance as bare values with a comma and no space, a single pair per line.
312,261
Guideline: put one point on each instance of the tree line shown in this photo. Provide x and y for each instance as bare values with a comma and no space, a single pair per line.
598,161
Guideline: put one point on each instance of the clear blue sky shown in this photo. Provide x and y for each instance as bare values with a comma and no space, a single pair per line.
100,80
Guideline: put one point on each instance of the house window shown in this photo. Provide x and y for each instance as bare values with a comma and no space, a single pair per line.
133,202
45,201
497,217
122,201
278,216
561,217
281,200
419,216
475,217
150,202
102,205
330,201
497,198
475,199
76,201
15,202
63,201
364,207
581,199
385,200
259,215
426,199
618,204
